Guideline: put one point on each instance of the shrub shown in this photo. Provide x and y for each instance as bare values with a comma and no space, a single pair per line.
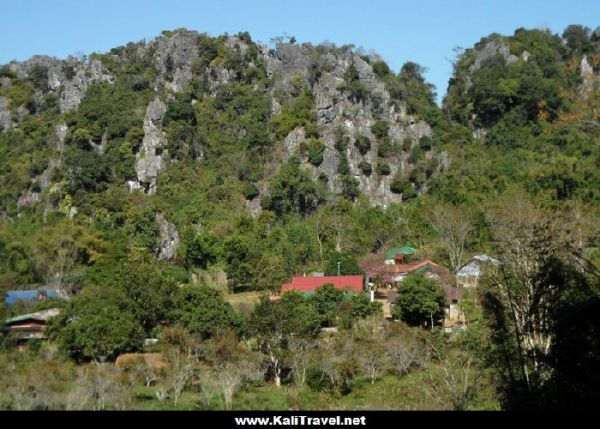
315,152
381,69
385,149
250,191
350,188
363,144
380,129
316,379
365,167
383,169
401,185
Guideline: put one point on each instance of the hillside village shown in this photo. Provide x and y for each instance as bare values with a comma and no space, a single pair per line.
378,284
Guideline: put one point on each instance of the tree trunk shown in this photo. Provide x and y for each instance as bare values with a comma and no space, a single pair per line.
431,318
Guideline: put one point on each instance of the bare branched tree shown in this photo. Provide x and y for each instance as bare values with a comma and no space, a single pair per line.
406,351
454,227
530,240
100,387
301,351
369,339
230,376
455,387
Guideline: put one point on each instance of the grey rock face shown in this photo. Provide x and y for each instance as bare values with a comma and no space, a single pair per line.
215,77
150,158
174,58
60,131
234,43
22,112
335,110
168,239
74,89
5,82
490,50
5,115
28,198
23,69
42,181
589,80
55,77
254,207
292,142
323,69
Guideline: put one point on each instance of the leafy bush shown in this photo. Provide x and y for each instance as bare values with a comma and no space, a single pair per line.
363,144
380,129
316,379
421,301
401,185
250,191
98,324
383,169
315,152
386,148
357,91
293,191
365,167
350,188
202,310
298,112
381,69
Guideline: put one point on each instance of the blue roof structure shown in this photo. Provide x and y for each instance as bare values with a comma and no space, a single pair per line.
13,296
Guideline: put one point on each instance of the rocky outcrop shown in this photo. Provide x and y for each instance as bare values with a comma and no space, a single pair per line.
323,69
150,159
5,115
42,181
75,88
168,239
588,79
70,88
174,57
491,50
23,69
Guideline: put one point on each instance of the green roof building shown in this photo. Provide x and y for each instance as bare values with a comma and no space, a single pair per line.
398,253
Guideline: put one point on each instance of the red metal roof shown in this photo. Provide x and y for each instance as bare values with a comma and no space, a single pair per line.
409,268
310,284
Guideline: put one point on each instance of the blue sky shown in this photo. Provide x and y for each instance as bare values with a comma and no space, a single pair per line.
424,31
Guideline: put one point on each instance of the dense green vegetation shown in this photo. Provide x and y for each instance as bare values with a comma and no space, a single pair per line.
518,136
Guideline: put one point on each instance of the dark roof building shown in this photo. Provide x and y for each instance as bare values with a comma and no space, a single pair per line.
398,253
30,326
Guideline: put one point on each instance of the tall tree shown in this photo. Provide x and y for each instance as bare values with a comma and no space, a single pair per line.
541,271
454,227
421,301
276,324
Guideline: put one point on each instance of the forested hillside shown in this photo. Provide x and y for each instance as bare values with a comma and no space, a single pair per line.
167,184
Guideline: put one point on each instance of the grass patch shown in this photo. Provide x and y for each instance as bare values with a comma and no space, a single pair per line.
244,302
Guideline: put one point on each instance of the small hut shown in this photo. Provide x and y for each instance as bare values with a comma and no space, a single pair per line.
397,255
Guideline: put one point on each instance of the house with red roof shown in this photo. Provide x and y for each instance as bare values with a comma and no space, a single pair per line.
309,284
394,273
